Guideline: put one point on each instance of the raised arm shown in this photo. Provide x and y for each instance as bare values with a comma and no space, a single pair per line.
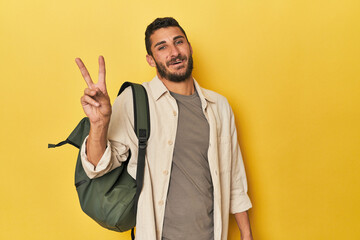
97,107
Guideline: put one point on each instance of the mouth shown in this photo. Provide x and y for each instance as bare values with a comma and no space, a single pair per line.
176,62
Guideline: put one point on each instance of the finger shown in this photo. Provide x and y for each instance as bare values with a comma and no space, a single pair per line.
90,92
84,72
102,72
88,100
101,97
97,95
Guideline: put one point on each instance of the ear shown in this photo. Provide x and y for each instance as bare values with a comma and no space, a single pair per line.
150,60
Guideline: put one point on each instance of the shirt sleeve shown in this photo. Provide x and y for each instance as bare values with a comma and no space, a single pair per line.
239,199
106,163
121,139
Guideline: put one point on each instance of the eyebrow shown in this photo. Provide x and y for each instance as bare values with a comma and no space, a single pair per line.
162,42
159,43
177,37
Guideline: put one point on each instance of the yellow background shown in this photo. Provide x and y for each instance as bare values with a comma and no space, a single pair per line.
290,70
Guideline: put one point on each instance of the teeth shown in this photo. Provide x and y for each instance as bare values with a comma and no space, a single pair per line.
177,62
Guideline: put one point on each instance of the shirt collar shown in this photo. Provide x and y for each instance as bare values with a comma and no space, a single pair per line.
158,89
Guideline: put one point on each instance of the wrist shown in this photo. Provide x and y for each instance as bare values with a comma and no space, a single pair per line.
246,237
98,131
99,123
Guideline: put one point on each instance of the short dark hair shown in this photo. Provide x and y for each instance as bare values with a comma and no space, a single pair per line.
157,24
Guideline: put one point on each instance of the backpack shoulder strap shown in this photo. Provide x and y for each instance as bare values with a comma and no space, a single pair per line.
141,128
141,110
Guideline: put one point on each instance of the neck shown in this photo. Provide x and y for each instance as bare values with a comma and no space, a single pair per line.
184,88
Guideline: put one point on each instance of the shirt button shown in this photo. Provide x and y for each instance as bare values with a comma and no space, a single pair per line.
161,202
170,142
174,113
165,172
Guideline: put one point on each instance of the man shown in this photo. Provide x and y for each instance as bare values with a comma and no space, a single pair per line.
194,174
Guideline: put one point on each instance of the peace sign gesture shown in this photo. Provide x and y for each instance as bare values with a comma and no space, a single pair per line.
95,101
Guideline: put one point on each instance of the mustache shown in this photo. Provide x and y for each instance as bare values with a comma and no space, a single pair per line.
175,59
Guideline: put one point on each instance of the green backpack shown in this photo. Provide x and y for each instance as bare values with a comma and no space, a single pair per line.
111,200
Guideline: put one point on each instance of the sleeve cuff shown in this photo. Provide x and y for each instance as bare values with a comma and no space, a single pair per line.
240,204
90,170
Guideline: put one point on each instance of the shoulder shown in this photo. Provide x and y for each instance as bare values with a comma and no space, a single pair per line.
217,100
212,95
124,100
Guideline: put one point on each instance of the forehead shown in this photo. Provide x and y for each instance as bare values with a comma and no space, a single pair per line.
165,34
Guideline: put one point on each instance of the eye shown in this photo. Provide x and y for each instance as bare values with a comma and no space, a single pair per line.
179,42
161,48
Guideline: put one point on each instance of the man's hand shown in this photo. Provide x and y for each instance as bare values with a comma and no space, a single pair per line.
97,107
95,101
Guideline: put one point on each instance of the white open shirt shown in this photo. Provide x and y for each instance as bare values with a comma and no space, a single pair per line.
224,156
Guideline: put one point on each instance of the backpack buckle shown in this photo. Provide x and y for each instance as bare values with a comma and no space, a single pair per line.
142,138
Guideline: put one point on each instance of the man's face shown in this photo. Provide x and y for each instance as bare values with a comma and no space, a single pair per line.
171,54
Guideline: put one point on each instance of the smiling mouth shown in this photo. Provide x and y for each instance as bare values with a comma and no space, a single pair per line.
176,62
178,65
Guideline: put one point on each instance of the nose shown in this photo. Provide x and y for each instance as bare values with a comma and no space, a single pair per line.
174,51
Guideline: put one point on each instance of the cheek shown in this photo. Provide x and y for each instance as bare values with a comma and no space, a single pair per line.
160,57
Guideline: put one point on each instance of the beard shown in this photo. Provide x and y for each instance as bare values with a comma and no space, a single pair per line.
173,77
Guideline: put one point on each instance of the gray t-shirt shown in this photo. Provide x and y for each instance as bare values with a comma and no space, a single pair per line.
189,205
